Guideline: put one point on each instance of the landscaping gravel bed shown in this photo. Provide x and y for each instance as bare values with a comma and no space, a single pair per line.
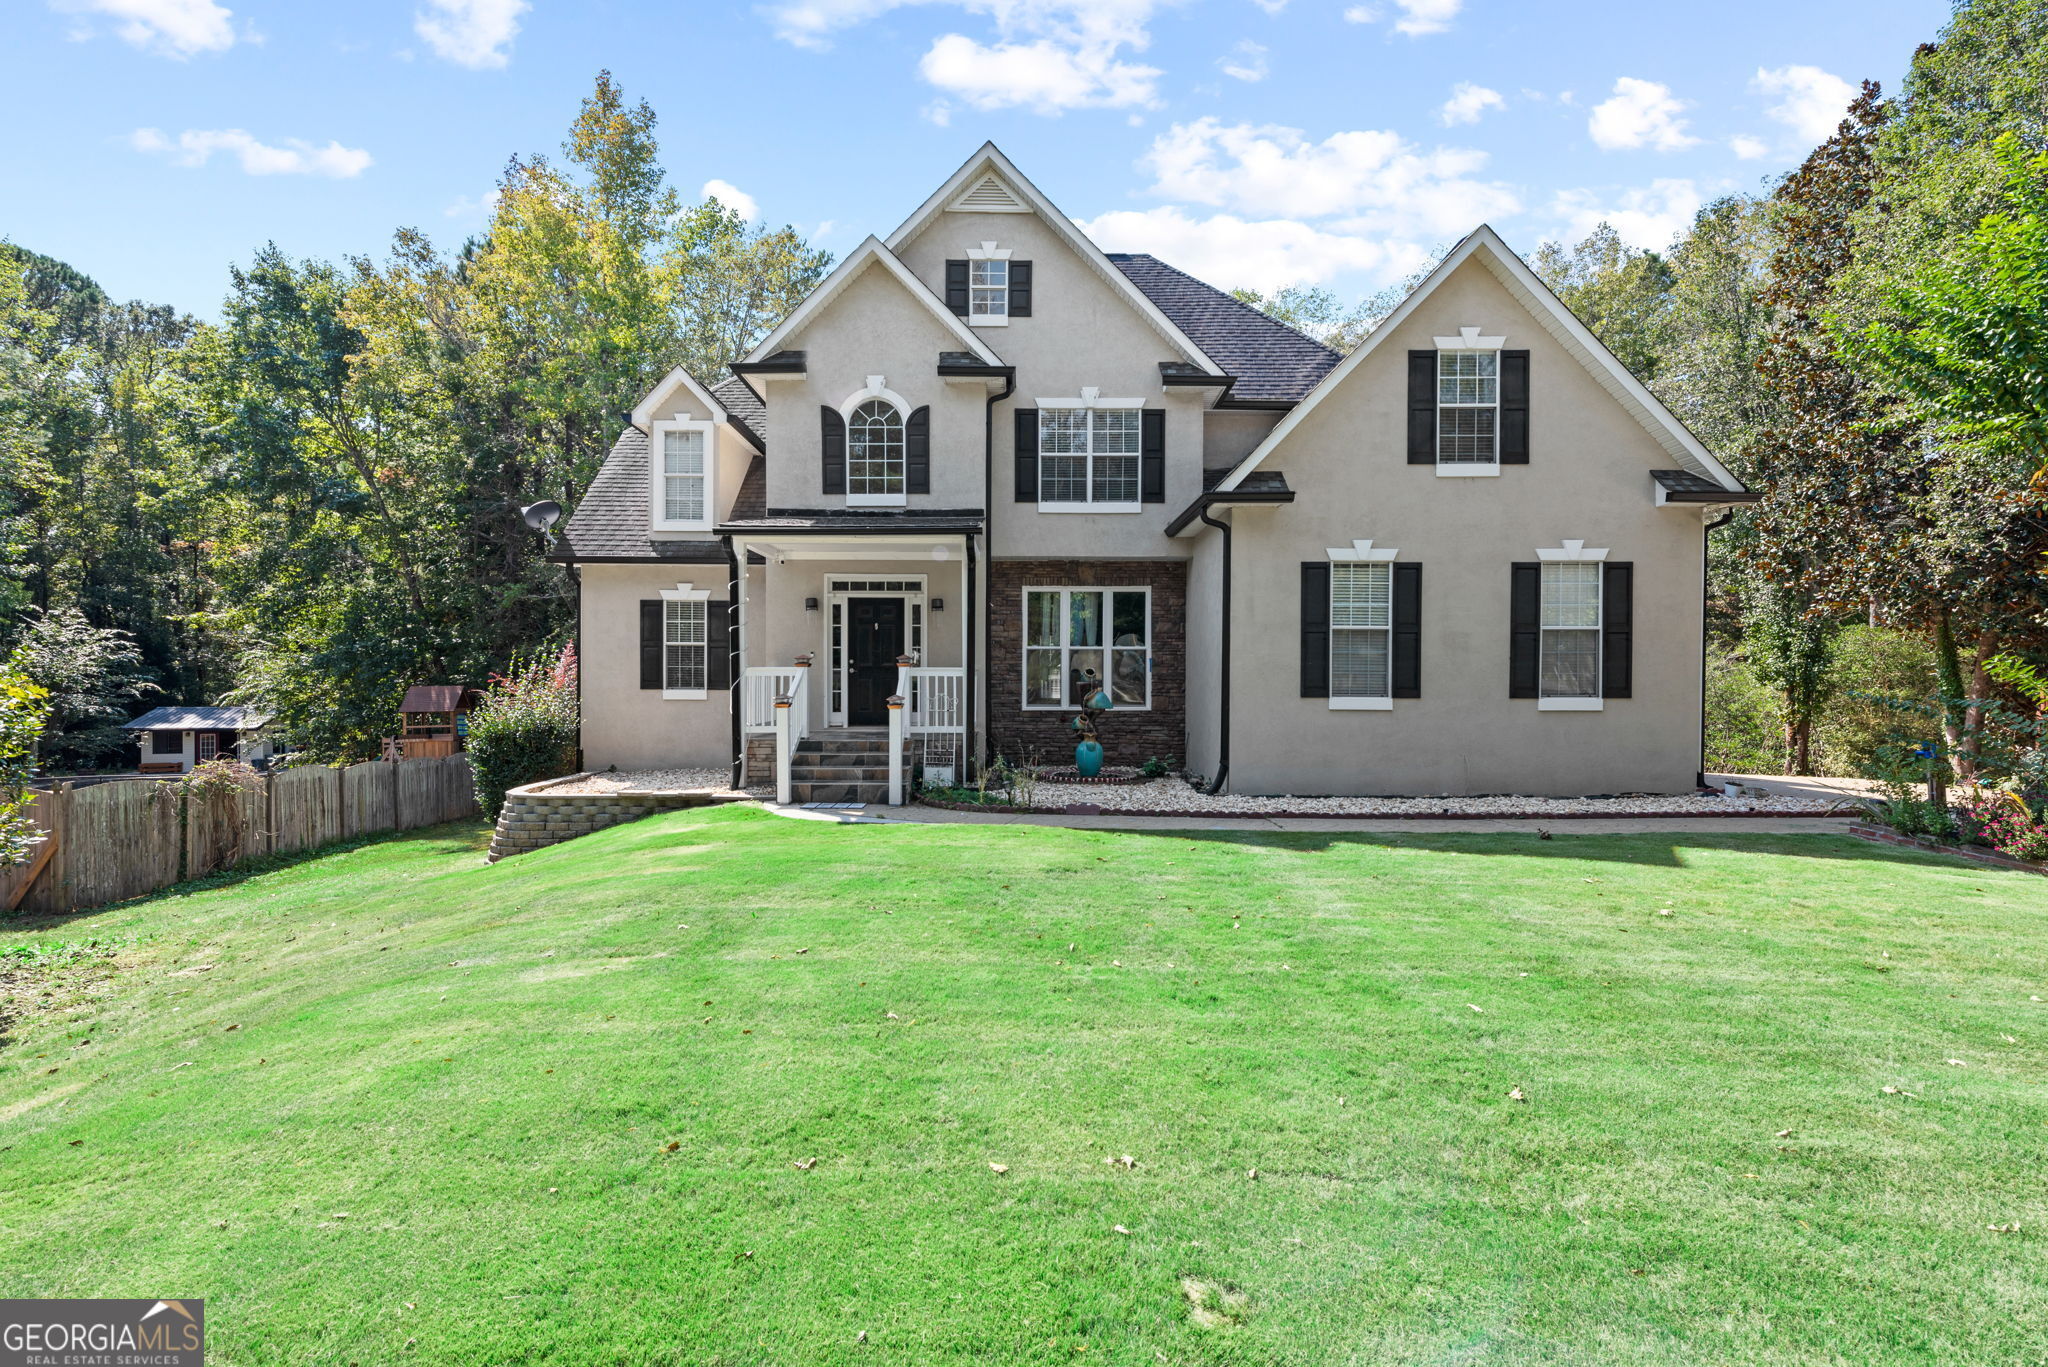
1174,796
650,781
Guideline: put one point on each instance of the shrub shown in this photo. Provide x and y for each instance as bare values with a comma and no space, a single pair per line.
1871,662
525,728
1745,720
1156,766
23,710
2004,823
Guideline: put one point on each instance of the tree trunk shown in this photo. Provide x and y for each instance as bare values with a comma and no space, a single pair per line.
1954,722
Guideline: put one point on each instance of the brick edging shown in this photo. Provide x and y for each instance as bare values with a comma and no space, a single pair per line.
534,818
1997,859
1095,809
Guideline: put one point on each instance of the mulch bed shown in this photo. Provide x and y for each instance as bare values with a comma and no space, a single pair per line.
1884,835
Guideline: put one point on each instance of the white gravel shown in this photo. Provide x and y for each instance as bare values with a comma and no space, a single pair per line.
1174,795
650,780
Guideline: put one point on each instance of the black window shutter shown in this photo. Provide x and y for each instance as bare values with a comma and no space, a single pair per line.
956,287
1422,408
1315,628
1152,455
651,628
1525,628
1027,455
718,644
1514,408
1407,631
917,452
832,448
1020,289
1617,615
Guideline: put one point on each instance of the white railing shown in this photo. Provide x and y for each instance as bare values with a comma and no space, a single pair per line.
792,724
760,686
930,711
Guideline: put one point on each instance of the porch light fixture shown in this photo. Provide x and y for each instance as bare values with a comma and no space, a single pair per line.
938,605
810,605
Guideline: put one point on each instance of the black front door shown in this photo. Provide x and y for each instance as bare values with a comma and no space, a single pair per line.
874,640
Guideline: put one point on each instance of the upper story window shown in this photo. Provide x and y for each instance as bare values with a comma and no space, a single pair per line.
1569,652
1467,407
874,452
988,289
1088,455
683,470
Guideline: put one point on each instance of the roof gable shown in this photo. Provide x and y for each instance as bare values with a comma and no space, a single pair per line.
678,382
988,175
1269,360
870,254
1550,313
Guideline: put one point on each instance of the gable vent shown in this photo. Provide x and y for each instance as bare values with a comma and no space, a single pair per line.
988,196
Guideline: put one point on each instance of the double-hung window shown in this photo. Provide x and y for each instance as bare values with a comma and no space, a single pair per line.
1088,458
1079,641
1361,633
988,289
686,646
1569,651
1467,408
682,475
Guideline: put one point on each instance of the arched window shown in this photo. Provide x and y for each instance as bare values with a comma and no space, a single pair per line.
874,449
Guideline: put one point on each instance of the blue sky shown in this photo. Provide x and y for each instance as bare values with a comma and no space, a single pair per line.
1255,142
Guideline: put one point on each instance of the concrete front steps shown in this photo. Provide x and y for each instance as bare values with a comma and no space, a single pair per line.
843,764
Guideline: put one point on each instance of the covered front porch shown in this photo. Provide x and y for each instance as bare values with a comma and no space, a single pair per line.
855,646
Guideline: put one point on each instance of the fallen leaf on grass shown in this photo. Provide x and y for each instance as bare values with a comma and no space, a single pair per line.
231,1027
673,1145
1955,1063
891,1015
1515,1094
1252,1173
1119,1229
2004,1229
999,1168
1475,1008
804,1164
1890,1090
1784,1134
861,1337
1128,1161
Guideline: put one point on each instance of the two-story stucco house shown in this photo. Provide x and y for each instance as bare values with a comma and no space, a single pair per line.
1466,558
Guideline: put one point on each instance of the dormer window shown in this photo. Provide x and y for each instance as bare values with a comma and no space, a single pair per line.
988,290
1467,407
683,470
987,287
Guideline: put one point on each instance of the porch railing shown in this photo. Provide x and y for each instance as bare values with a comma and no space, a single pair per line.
792,724
760,686
930,722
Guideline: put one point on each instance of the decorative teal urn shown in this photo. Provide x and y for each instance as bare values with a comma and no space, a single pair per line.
1088,758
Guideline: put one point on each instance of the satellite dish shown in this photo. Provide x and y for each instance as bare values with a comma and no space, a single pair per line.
541,516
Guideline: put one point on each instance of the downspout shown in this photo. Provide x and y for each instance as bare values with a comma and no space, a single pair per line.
733,653
1223,680
969,756
1699,778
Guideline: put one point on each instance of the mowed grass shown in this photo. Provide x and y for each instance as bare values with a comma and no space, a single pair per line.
561,1101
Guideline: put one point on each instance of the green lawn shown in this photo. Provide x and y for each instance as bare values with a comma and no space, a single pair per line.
561,1101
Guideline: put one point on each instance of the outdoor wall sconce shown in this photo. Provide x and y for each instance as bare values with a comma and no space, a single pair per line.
810,605
938,605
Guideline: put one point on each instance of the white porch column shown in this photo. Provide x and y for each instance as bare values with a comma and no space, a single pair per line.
896,750
785,745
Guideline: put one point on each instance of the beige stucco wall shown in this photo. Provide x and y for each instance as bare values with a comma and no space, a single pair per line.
1587,479
1205,655
627,725
1229,435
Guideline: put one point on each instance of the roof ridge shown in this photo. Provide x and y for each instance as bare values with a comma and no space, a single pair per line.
1224,294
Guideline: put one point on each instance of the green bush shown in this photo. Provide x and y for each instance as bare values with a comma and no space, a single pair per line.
24,707
525,728
1745,725
1877,661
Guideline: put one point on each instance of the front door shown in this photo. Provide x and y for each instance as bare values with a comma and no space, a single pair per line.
874,640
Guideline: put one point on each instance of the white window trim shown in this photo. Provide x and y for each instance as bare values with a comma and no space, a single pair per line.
877,388
988,251
685,593
683,421
916,629
1091,399
1572,551
1108,662
1362,551
1468,339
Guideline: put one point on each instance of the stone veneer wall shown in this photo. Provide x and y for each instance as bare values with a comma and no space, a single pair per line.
534,818
1128,736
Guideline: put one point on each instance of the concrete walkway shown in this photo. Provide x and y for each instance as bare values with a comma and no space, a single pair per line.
1845,789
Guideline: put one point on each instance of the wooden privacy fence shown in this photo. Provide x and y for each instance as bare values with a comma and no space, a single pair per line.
111,841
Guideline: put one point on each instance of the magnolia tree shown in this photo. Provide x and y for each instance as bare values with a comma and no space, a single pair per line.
525,728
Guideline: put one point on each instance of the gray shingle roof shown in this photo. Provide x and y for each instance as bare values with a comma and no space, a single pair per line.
909,520
610,523
1270,360
745,408
191,717
1683,486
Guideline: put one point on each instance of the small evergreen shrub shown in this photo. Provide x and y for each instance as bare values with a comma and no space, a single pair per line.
525,728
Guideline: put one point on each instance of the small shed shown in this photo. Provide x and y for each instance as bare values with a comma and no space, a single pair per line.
174,739
436,719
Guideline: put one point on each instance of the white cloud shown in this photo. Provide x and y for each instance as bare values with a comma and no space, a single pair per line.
1375,178
1416,18
1264,254
483,206
174,28
732,197
1246,61
1044,75
1639,114
196,146
1467,103
1811,102
1748,148
1645,216
1271,6
472,33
